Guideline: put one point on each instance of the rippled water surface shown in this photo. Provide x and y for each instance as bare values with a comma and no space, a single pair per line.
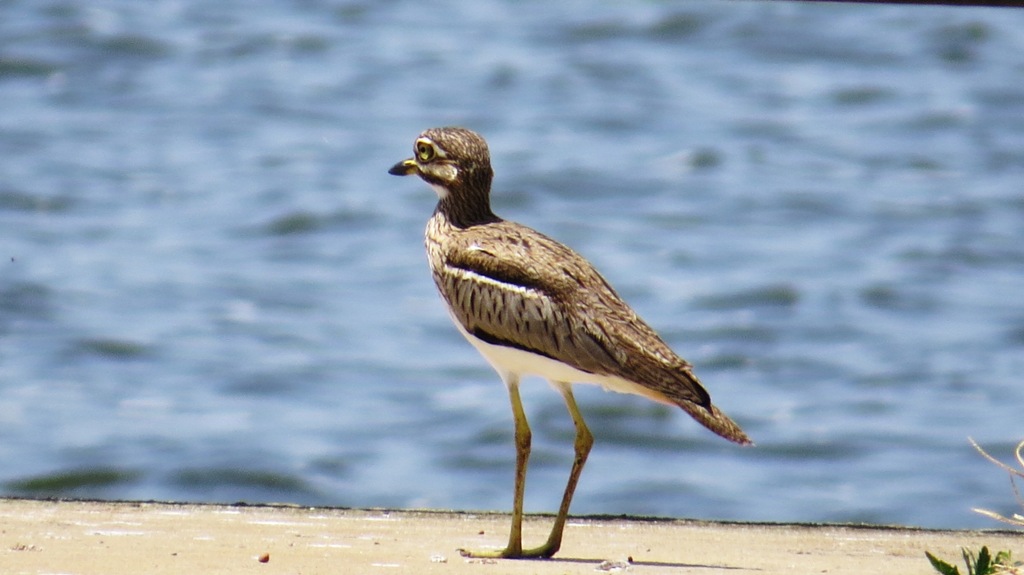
211,290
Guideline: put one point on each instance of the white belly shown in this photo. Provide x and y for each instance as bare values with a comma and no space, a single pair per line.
512,361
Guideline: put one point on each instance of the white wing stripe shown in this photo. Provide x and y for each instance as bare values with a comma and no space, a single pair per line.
469,275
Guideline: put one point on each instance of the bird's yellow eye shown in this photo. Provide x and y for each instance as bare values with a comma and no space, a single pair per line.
425,151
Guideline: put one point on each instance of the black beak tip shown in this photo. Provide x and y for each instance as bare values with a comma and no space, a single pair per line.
400,169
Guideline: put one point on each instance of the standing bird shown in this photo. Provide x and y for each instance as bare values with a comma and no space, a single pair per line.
532,306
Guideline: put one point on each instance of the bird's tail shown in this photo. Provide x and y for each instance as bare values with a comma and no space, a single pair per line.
712,418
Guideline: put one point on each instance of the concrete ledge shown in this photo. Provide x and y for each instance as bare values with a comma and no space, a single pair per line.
97,537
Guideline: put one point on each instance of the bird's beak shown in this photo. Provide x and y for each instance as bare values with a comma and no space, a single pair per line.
405,168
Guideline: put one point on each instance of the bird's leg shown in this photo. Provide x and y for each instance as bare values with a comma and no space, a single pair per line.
522,438
514,548
584,441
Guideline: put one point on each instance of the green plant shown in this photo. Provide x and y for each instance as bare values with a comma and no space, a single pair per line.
983,563
1015,519
980,564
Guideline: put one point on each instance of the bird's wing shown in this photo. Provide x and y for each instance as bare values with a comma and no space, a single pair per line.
504,294
516,287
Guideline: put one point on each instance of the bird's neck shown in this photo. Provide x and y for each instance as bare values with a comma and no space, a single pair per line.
462,209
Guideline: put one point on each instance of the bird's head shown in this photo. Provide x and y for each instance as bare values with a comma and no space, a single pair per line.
454,161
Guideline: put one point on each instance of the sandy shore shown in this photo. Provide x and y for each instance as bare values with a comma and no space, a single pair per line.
133,537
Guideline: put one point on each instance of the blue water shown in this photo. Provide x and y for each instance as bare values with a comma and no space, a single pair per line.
211,290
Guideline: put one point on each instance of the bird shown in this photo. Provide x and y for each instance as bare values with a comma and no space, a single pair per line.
534,307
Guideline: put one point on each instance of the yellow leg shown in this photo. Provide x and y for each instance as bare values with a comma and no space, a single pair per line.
523,437
584,441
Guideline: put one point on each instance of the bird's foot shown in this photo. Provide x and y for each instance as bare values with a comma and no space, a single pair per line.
543,552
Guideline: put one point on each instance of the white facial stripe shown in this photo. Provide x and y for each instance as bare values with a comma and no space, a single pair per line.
445,171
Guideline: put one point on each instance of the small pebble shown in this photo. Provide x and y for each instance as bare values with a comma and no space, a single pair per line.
612,566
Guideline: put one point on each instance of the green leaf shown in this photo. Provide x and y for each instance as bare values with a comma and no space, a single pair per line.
983,566
1002,559
968,559
941,566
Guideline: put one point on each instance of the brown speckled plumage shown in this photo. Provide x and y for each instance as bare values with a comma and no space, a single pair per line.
510,286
